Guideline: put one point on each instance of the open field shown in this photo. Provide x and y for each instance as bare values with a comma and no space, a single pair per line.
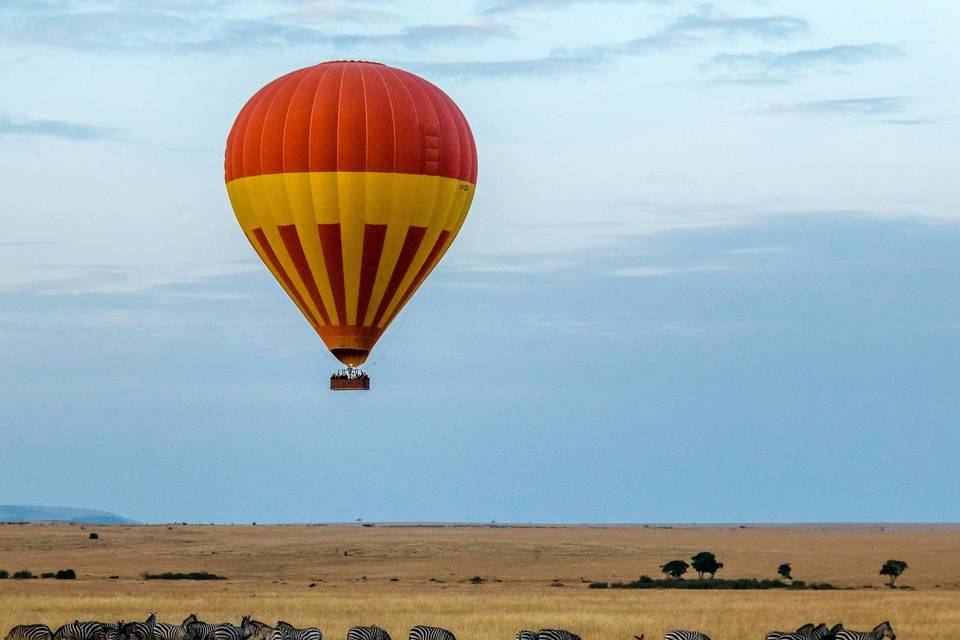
353,569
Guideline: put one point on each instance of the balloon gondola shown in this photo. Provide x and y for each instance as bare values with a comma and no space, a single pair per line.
350,180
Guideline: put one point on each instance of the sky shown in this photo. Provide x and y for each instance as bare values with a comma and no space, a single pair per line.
710,273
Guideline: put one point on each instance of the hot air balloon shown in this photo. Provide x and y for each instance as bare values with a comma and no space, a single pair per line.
351,180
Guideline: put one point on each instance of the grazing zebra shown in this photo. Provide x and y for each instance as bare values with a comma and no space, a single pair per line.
110,631
367,633
882,630
167,631
524,634
423,632
77,630
834,630
290,632
779,635
685,635
139,630
556,634
199,630
29,632
818,632
260,630
227,631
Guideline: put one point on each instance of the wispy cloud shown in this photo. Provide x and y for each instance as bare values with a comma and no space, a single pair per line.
51,128
770,67
870,106
657,271
184,28
510,6
686,31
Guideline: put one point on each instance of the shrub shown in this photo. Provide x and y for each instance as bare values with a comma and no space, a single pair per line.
48,574
193,575
94,536
66,574
4,574
23,574
476,580
598,585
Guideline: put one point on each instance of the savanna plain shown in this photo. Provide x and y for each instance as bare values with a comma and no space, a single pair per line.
484,582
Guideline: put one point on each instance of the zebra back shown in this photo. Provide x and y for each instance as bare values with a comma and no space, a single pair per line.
291,632
525,634
367,633
258,630
680,634
77,630
200,630
167,631
882,630
556,634
29,632
423,632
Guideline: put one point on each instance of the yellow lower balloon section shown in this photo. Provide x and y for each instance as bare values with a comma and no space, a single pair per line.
350,248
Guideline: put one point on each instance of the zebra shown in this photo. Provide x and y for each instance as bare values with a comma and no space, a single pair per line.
834,630
259,630
524,634
77,630
227,631
167,631
110,631
818,632
139,630
29,632
289,632
685,635
198,630
423,632
367,633
779,635
556,634
882,630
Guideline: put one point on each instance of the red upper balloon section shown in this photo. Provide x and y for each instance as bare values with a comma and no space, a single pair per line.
351,116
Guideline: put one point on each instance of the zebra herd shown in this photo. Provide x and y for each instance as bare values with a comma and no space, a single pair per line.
192,628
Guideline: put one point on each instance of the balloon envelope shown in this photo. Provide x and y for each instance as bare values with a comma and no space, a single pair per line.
351,180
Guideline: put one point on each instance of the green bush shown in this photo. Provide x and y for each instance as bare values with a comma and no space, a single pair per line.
48,574
4,574
598,585
23,574
66,574
645,582
193,575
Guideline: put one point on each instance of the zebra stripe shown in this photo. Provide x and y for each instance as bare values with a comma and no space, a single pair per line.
290,632
685,635
780,635
198,630
816,633
882,630
556,634
29,632
139,630
110,631
423,632
367,633
524,634
259,630
77,630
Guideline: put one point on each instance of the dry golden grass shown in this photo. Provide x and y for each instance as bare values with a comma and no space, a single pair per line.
270,569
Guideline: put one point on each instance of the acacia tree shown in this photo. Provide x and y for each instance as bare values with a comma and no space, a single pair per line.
784,571
705,562
893,569
675,568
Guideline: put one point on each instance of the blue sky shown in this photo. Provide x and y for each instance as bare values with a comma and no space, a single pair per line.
710,273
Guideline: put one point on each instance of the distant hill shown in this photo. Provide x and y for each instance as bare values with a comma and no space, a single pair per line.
32,513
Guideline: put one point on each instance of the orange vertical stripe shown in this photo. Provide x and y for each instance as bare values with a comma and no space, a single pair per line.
288,233
373,236
333,258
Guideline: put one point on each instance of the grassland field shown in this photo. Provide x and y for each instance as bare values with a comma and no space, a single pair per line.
397,576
